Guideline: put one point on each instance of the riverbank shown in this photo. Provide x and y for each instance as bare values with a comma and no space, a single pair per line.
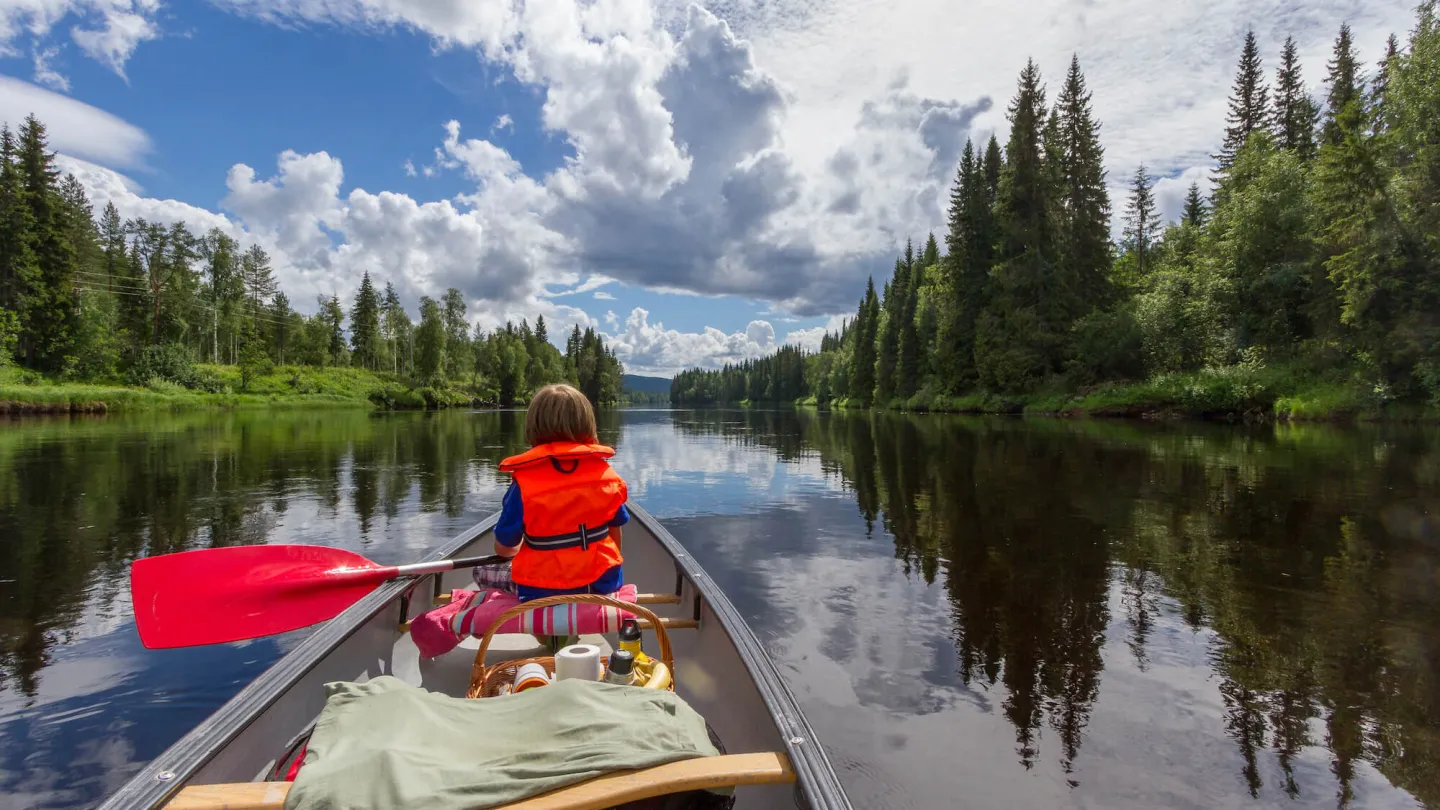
1236,393
25,392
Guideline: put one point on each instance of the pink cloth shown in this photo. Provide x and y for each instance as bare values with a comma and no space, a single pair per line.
470,613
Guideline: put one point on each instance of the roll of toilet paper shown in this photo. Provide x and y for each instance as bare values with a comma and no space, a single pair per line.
580,661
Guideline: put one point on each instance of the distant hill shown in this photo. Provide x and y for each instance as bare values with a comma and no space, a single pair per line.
644,385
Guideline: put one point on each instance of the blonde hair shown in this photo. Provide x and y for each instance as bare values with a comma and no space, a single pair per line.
559,413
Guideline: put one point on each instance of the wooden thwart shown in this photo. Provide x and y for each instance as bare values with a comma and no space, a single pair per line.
732,770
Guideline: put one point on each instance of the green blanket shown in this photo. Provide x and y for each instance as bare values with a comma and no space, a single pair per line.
386,744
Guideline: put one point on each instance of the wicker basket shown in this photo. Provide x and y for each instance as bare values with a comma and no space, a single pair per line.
487,681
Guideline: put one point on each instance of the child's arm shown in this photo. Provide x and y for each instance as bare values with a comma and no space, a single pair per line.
622,516
510,529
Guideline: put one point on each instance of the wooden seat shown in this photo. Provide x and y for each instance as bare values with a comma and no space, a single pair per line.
704,773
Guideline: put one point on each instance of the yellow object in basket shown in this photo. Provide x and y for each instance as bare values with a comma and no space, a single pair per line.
660,679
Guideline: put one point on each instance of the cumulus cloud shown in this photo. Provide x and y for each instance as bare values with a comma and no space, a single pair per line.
409,169
108,31
502,123
75,128
682,177
651,348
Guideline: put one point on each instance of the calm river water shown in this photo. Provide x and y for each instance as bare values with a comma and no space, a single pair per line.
974,613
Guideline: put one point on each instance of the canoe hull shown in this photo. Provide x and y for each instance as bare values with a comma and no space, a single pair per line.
721,670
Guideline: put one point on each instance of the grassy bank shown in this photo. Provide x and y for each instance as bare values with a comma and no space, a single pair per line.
222,387
1234,393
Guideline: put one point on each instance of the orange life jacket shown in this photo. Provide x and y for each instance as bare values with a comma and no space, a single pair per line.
570,495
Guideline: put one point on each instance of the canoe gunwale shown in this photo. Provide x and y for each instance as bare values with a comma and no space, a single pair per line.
165,775
816,779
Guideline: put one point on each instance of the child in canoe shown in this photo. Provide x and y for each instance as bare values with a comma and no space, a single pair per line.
560,520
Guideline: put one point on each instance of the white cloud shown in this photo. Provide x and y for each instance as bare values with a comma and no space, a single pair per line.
647,348
502,123
809,339
612,320
75,128
604,296
409,169
47,75
107,30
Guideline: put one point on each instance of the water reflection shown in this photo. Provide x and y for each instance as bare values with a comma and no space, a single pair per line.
1305,558
1013,613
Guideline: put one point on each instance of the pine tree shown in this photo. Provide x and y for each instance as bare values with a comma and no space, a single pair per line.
541,335
1343,81
887,360
969,243
260,282
1086,201
224,282
1195,210
280,313
365,325
112,244
1249,110
1141,224
1295,113
397,329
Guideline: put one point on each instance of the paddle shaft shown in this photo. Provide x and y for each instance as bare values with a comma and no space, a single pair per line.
438,566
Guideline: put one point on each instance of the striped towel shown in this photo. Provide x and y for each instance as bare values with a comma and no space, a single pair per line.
470,613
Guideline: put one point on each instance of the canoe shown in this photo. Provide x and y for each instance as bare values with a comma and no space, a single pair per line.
771,753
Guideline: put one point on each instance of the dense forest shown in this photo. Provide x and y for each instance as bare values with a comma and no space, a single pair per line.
1314,265
142,302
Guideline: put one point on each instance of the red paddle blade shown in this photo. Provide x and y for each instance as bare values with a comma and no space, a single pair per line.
212,596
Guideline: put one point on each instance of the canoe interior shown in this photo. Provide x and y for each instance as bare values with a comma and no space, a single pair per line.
241,743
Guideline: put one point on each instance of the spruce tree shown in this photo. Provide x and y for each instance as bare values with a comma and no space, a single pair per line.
19,267
1019,337
992,167
1380,90
541,335
334,319
1086,240
862,358
48,322
970,246
910,350
887,359
1249,108
1343,83
1295,113
365,326
1141,224
1195,210
931,256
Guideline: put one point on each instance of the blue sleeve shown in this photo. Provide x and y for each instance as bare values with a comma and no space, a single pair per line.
622,516
511,527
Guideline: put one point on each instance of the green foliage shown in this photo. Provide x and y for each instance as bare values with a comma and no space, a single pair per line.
1323,258
254,361
365,326
430,341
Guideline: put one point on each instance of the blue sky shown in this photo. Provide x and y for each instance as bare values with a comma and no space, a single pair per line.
732,171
